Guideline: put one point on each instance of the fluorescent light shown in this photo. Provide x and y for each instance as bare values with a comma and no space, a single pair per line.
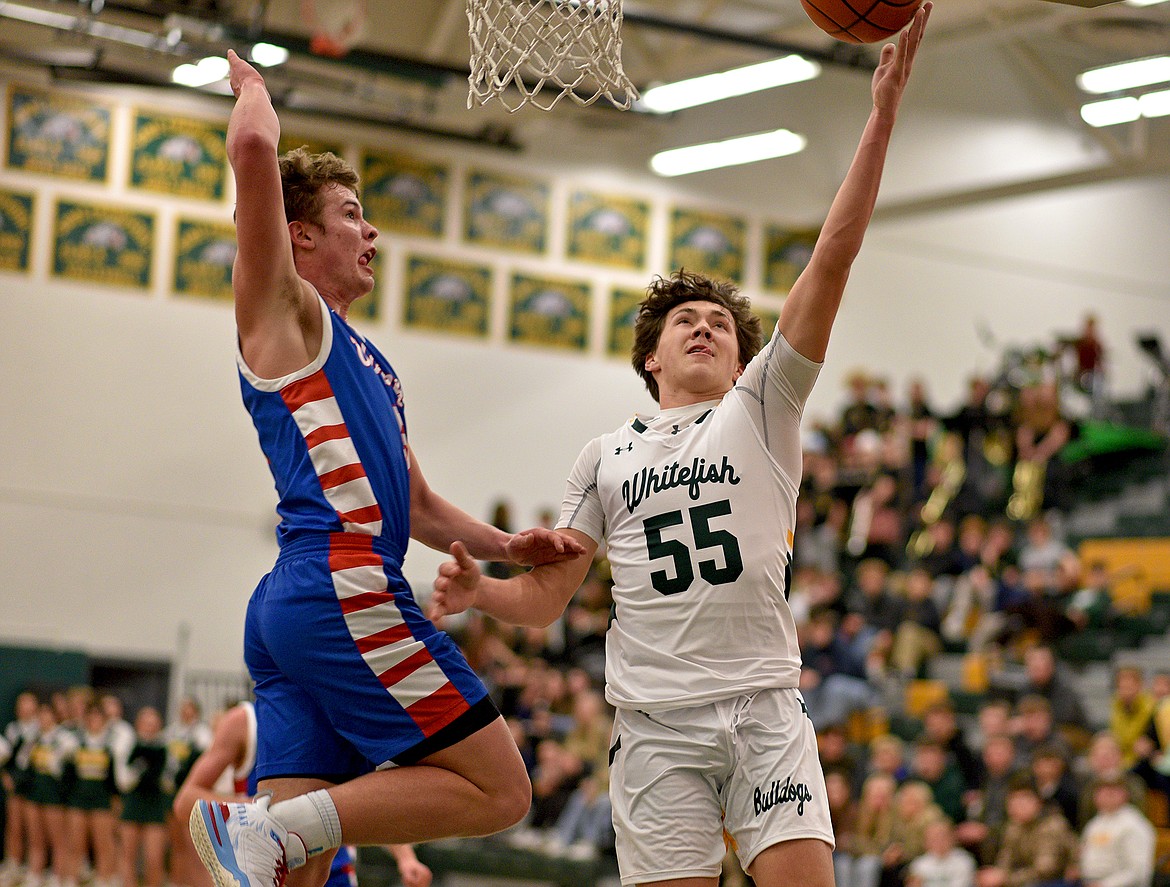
1111,111
266,55
729,152
1126,75
728,84
1155,104
1143,2
207,71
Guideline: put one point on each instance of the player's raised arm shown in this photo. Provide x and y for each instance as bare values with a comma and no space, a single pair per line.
437,523
807,317
534,598
267,288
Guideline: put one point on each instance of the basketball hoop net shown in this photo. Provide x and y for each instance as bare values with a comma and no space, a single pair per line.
572,46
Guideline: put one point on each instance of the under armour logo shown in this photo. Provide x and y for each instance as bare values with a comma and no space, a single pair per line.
627,448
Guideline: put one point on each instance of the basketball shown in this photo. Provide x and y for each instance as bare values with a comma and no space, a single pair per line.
861,21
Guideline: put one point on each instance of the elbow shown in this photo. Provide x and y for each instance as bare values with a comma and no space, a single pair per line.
249,146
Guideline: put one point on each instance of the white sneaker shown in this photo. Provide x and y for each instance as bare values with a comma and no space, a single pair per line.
241,844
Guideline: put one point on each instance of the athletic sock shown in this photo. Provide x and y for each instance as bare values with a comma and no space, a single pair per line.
312,821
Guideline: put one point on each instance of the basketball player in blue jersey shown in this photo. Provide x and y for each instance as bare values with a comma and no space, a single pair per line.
372,727
225,772
697,508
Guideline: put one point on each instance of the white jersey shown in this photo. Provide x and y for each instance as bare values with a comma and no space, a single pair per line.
697,509
234,780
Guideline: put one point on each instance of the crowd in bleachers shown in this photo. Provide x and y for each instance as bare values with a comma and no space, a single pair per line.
919,533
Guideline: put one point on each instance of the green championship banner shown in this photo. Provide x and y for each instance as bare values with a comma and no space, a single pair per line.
178,156
16,213
204,255
623,311
548,311
707,243
58,134
103,244
786,253
448,296
313,146
404,194
608,230
506,212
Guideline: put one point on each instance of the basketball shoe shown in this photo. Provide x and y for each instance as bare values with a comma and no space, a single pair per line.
241,844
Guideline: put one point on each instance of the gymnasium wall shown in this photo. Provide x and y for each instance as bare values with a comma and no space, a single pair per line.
133,497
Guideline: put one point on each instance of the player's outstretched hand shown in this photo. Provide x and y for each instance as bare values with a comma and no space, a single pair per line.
539,545
889,80
240,73
456,585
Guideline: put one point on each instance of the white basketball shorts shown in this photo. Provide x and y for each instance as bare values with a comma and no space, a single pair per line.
680,780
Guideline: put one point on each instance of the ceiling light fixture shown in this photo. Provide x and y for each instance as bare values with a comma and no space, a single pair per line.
1110,112
728,84
1126,75
729,152
1143,2
267,55
1126,110
206,72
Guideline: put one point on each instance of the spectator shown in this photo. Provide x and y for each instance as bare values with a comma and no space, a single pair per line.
940,725
1036,729
1089,371
872,610
914,811
942,864
832,678
1131,710
1090,607
1041,432
932,766
917,636
843,812
1117,847
839,755
922,426
1044,677
986,807
887,754
1037,847
877,528
875,826
1104,762
1054,783
1044,552
981,430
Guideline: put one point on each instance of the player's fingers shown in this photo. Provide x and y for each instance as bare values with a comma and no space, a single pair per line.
462,556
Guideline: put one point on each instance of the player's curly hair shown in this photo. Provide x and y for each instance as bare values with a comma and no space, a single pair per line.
664,293
303,176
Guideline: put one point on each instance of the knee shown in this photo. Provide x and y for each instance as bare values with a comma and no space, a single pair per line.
511,801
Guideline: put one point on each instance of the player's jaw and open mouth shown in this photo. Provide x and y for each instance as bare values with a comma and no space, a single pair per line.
366,259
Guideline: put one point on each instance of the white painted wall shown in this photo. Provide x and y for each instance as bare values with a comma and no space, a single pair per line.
133,497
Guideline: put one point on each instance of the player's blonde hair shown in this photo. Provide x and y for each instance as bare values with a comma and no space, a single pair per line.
664,293
304,175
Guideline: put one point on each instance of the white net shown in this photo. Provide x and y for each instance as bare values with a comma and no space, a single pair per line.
537,51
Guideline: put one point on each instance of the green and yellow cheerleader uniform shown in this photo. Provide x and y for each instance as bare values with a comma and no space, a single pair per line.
143,800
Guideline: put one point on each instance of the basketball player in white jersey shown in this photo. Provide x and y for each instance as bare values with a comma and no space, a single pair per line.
697,508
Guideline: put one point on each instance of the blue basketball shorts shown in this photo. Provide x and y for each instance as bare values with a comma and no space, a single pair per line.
350,675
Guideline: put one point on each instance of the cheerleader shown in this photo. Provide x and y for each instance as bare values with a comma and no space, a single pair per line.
16,778
90,805
144,802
